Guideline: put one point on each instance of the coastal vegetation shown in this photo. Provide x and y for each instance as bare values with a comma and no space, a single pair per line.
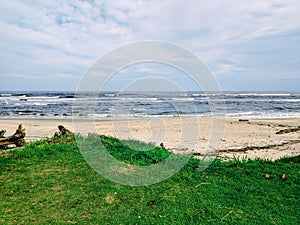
49,181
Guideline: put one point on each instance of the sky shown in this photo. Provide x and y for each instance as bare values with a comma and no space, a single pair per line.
248,45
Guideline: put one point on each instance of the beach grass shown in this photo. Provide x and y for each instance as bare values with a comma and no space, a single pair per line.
49,181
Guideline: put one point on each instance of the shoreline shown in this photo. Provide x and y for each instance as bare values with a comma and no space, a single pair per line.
251,138
154,118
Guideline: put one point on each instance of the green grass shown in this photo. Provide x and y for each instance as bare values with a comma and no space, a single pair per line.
50,182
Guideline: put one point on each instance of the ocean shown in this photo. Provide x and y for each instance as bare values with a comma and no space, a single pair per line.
114,105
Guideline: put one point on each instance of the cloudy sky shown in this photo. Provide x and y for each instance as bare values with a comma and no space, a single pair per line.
249,45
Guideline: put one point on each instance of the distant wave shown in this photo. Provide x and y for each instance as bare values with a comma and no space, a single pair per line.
113,105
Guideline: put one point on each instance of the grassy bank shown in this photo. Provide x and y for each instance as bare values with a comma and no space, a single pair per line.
50,182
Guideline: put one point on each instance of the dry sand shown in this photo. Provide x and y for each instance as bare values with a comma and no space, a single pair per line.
252,139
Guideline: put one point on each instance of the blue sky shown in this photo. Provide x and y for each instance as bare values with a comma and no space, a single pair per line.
248,45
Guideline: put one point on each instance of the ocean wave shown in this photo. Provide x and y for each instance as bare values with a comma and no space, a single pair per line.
144,105
257,94
44,97
255,114
5,95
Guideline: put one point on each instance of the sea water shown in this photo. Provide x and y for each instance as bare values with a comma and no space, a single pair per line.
115,105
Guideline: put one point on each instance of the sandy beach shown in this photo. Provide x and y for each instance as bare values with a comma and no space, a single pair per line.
257,138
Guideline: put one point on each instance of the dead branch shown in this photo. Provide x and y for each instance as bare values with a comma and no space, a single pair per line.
16,139
62,131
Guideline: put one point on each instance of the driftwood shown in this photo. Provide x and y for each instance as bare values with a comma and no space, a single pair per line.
62,131
2,132
289,130
16,139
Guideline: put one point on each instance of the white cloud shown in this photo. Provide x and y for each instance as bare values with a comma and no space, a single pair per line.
227,69
65,37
